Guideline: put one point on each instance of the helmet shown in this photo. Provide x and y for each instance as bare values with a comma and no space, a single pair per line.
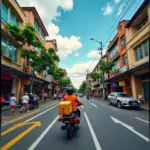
70,90
30,93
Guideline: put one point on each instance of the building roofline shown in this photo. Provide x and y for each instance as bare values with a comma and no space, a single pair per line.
20,8
53,40
138,12
37,15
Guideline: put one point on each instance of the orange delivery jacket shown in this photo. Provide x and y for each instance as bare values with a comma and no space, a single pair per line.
74,100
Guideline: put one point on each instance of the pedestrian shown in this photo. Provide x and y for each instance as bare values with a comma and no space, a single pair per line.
2,100
140,97
45,96
55,96
25,101
12,103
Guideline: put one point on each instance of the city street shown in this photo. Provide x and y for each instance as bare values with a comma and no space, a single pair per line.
102,127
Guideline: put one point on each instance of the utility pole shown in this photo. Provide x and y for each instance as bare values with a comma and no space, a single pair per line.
100,52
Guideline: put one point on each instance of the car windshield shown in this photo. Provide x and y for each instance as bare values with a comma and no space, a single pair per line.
122,95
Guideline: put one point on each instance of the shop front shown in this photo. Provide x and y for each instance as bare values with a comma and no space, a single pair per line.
122,84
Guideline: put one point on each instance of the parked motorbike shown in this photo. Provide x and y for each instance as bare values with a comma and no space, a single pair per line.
34,105
70,123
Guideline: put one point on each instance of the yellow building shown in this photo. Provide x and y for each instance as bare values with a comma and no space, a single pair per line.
11,62
138,35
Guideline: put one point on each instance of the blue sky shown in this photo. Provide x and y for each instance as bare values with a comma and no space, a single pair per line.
73,22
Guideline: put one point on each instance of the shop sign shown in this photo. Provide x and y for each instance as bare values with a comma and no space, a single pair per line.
5,76
121,83
123,69
114,85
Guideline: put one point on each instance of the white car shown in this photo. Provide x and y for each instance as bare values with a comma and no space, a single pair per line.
122,100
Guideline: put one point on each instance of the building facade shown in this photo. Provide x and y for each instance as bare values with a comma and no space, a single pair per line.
138,43
11,61
119,77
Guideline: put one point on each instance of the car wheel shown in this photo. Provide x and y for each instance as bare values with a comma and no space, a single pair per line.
109,102
119,104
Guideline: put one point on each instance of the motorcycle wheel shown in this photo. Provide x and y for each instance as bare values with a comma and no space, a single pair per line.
69,133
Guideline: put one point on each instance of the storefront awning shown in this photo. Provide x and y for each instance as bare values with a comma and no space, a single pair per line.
13,71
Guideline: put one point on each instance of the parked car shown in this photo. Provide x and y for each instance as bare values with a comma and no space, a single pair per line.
122,100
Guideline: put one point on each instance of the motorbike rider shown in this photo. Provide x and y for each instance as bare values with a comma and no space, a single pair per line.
73,98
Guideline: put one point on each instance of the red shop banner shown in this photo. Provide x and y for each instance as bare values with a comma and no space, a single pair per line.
5,76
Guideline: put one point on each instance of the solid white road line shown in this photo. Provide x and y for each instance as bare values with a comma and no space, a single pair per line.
40,114
33,146
130,128
94,105
142,120
113,108
97,145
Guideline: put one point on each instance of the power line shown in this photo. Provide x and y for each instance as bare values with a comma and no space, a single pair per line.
117,17
132,2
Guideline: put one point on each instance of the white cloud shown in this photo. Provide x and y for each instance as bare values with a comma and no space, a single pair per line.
93,54
108,9
120,9
76,54
48,11
77,72
67,45
116,1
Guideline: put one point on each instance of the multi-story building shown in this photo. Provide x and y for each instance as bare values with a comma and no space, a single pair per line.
37,83
138,42
11,62
54,85
119,77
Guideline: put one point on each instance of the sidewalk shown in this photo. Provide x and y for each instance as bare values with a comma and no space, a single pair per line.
43,105
19,106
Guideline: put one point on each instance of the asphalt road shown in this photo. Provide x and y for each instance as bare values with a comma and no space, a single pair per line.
102,127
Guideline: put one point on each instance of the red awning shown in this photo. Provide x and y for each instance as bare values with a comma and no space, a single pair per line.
5,76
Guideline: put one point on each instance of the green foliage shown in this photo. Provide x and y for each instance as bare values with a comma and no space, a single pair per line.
106,66
64,82
46,59
58,74
95,75
15,31
29,34
82,87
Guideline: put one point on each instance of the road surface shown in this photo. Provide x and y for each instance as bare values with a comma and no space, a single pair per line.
103,127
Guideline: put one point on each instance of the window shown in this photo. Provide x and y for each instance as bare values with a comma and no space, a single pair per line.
36,26
122,41
113,51
12,18
4,13
9,50
125,59
143,22
116,66
142,50
3,43
42,35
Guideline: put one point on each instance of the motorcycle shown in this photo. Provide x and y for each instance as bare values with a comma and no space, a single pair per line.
70,123
34,104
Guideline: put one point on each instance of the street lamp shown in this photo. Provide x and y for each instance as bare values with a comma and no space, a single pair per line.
100,52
